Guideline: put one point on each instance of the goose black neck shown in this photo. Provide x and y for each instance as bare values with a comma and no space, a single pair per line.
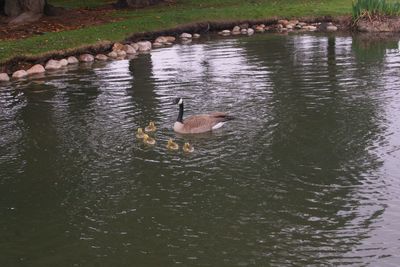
180,115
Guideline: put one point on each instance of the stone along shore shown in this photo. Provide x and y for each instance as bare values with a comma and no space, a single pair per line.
121,51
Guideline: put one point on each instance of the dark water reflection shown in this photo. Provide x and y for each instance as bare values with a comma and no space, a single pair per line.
307,175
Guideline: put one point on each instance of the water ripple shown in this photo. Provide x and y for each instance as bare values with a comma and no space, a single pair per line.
307,173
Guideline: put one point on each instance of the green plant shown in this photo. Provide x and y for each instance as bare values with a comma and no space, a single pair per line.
374,9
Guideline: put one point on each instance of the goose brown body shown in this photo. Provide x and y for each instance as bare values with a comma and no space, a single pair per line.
199,123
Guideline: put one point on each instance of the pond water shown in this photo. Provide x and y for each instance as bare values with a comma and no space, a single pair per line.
307,174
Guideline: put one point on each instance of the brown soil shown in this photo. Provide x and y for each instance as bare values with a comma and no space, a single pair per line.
69,20
378,24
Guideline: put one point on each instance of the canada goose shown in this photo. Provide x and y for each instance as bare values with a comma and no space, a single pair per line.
188,148
172,145
148,140
198,123
140,133
151,127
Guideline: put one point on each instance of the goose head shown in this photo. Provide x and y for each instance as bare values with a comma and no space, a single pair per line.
178,101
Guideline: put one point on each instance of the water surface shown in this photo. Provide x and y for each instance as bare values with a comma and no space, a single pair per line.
308,173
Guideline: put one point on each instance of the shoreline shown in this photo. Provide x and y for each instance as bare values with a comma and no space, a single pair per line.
24,62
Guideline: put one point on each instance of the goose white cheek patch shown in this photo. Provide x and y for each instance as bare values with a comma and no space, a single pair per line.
218,125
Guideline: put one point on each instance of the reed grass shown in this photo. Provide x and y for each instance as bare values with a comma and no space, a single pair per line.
373,9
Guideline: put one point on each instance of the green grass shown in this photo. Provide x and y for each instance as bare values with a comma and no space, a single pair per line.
374,8
80,4
164,17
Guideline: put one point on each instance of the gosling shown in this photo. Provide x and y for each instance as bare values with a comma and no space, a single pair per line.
148,140
140,134
171,145
151,127
188,148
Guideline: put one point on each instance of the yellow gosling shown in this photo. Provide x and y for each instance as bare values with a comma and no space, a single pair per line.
148,140
172,145
140,134
188,148
151,127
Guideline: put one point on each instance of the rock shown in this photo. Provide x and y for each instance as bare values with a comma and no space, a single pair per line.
19,74
196,35
170,39
135,46
310,28
129,49
53,65
302,24
284,22
112,54
157,45
160,40
86,58
117,46
144,46
36,69
186,35
102,57
279,26
331,28
72,60
298,26
64,62
121,53
168,44
235,32
289,26
250,31
260,28
243,31
4,77
236,29
225,32
294,21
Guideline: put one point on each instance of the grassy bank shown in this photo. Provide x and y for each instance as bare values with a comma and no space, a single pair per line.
167,16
